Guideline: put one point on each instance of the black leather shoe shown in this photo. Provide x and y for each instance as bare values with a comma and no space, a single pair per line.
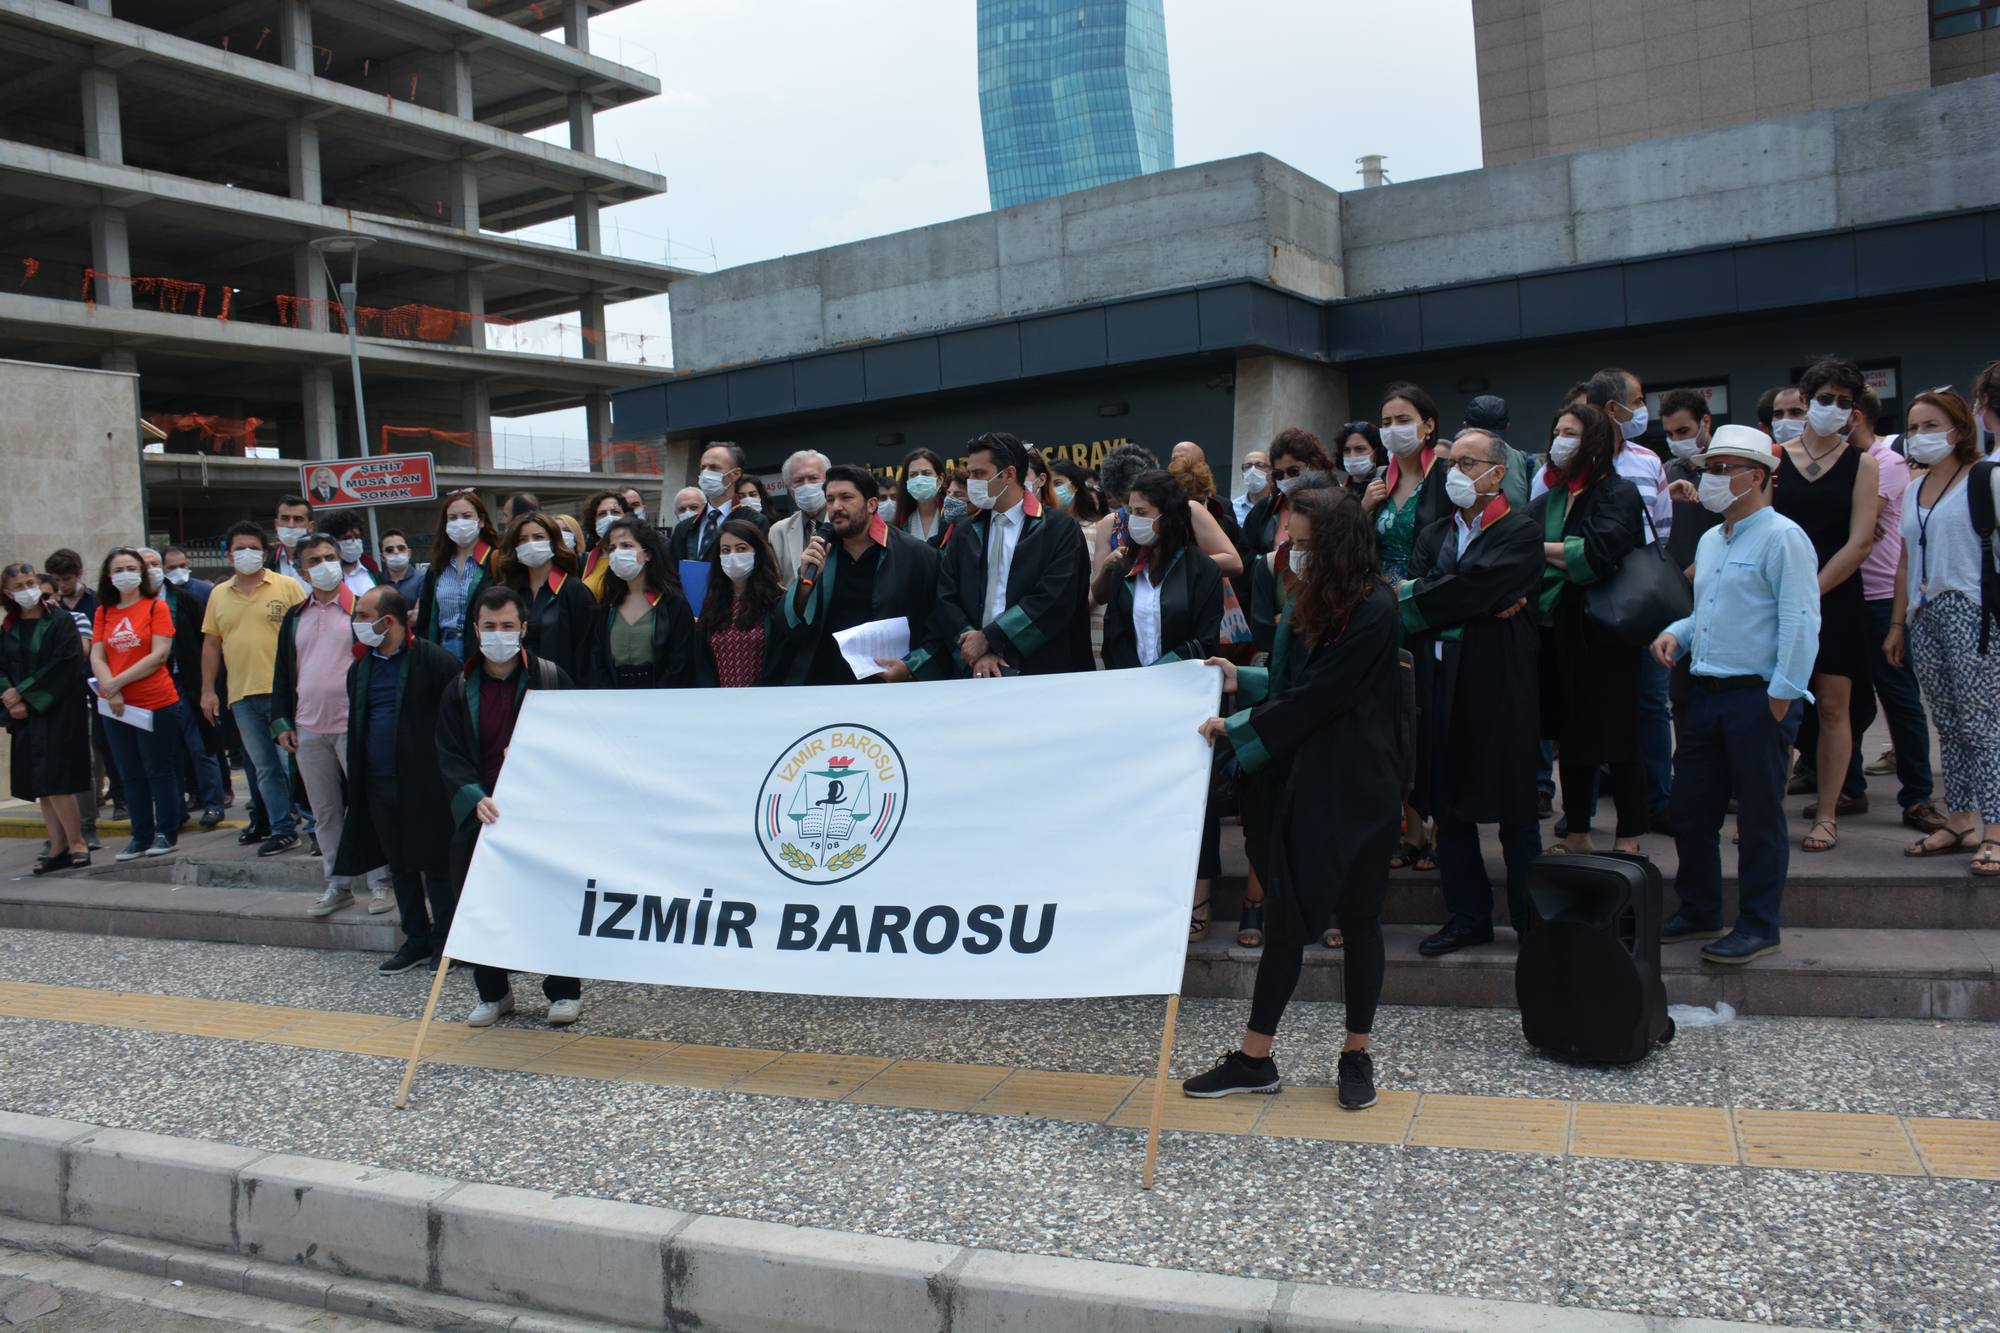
404,959
1738,947
1453,937
1679,927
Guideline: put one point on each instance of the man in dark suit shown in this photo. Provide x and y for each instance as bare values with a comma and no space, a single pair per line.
721,468
167,574
398,812
1010,588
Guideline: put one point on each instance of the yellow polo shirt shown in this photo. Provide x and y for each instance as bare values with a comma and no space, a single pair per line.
248,628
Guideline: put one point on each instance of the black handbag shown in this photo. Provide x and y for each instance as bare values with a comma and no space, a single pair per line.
1646,593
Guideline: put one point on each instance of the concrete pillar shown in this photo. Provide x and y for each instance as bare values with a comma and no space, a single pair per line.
1273,392
591,314
582,124
576,24
471,296
589,222
458,85
322,421
111,252
597,422
461,189
302,160
102,137
477,401
295,37
309,282
118,358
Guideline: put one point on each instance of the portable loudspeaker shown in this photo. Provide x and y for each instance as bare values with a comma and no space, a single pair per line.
1588,978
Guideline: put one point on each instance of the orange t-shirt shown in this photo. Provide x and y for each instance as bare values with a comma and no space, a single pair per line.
127,635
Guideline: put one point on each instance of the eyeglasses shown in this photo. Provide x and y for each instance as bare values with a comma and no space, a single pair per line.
1296,470
1471,465
1731,469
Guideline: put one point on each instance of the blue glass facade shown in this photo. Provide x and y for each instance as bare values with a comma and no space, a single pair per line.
1072,93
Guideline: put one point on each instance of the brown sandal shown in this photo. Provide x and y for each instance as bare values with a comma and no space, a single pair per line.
1198,923
1986,862
1814,843
1956,844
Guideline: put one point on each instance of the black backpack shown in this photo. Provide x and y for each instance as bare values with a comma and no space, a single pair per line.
1980,500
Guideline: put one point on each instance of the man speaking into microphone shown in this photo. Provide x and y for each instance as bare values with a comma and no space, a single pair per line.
855,569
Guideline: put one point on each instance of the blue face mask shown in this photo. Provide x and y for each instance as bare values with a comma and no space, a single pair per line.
953,508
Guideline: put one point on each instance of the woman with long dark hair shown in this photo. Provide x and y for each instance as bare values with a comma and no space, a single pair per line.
742,638
1361,456
461,567
533,561
47,713
1409,435
1591,522
1085,500
642,637
132,636
919,496
1320,738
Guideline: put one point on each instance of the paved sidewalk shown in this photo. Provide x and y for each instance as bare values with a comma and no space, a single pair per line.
1805,1246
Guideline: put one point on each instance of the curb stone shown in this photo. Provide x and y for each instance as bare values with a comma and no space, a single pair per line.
495,1257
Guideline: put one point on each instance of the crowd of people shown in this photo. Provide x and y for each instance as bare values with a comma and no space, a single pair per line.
1421,629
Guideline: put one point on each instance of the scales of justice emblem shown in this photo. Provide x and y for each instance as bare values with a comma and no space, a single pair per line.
830,804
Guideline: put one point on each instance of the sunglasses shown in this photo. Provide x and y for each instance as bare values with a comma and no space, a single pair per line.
1841,401
1296,470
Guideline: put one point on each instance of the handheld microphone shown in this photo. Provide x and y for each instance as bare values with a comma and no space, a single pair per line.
812,530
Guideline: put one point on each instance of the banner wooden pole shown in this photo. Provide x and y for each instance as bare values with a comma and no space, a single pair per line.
423,1027
1160,1091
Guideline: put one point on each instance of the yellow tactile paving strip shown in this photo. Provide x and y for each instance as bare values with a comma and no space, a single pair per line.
1697,1135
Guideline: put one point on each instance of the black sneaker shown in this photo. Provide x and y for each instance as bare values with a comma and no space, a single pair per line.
211,817
1738,947
1236,1072
252,834
1357,1080
278,844
1679,927
404,959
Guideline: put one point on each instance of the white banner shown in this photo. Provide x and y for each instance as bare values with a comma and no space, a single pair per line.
1023,838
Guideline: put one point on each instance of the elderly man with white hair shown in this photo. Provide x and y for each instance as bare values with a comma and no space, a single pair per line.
805,473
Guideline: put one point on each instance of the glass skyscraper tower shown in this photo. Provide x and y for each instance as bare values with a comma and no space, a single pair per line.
1072,93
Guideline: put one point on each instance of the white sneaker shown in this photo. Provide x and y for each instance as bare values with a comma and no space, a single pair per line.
330,902
488,1012
564,1012
379,901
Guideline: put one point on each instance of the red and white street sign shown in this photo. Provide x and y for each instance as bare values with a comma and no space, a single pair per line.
347,483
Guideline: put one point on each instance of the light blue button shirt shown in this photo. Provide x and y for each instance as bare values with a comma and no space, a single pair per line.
1756,604
451,578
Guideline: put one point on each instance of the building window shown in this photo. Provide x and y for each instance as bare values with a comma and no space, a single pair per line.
1954,18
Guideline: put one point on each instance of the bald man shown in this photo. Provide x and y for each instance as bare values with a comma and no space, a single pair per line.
1187,449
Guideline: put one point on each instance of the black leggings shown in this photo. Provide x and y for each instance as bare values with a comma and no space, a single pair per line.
1627,790
1359,908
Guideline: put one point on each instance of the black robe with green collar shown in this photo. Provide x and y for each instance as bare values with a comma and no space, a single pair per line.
1190,613
906,584
1048,608
425,673
458,727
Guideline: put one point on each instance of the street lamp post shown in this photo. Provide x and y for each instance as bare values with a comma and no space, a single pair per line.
351,246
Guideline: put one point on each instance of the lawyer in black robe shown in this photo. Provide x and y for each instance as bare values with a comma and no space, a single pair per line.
905,583
1190,613
1038,632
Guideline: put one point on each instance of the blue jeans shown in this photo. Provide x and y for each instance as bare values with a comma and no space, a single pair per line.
1468,890
149,764
199,769
1656,734
1729,743
263,762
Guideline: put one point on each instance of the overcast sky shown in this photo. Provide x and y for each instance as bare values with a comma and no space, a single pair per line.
788,125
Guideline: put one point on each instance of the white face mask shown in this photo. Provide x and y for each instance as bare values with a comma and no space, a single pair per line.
350,552
812,496
500,645
625,563
1787,428
1827,418
1928,448
1461,490
639,514
887,510
1255,479
749,502
1400,440
290,537
737,565
1685,449
27,598
1286,485
534,554
604,523
685,514
1359,465
246,560
398,562
462,531
1563,448
179,576
982,492
373,634
1636,427
1717,492
923,489
325,576
711,484
1300,561
155,576
125,580
1141,529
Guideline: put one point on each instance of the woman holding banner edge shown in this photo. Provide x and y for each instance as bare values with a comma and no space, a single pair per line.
1321,726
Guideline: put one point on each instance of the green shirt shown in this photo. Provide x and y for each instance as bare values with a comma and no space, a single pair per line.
632,641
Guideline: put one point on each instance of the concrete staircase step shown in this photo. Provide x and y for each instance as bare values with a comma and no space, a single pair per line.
1827,972
168,911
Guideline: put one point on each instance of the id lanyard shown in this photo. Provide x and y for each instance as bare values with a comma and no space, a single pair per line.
1924,535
